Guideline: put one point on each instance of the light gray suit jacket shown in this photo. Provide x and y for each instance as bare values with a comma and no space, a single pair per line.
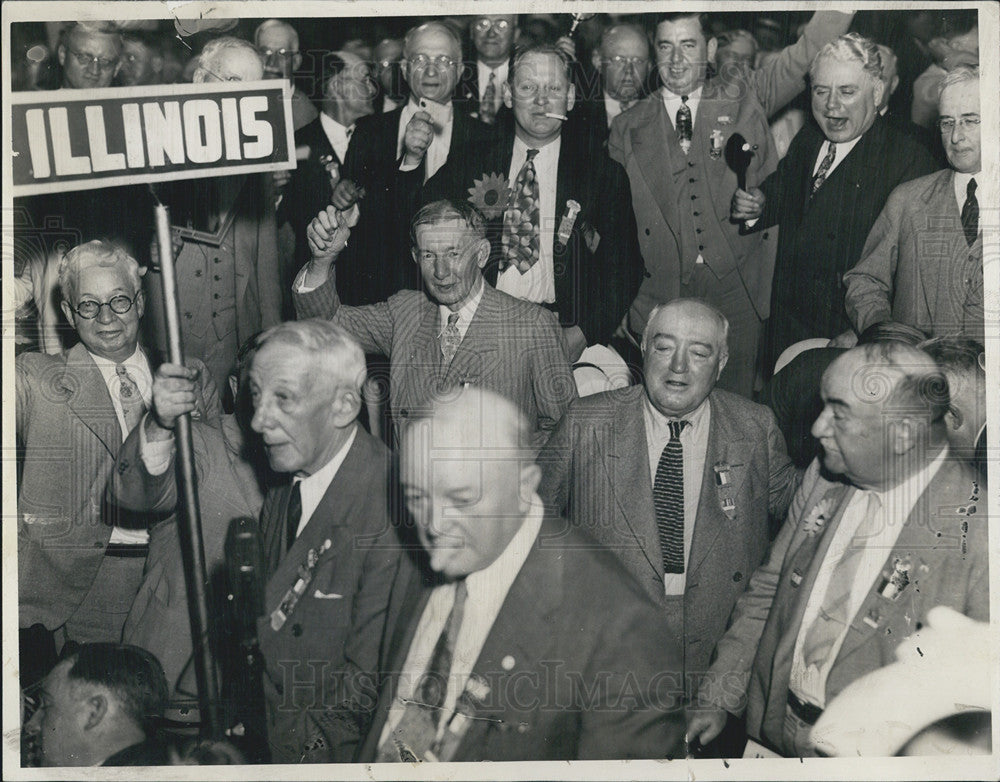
596,465
916,266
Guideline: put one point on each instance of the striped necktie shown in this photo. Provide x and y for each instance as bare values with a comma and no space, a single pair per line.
668,500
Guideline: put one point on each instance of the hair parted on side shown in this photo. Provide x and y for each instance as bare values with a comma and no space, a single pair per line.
94,253
449,209
329,342
851,47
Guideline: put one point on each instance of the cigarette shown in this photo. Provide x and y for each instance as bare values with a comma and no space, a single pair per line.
553,115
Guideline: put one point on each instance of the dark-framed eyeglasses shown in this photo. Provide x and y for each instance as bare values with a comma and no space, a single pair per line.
484,25
84,59
285,54
620,61
441,62
90,309
947,124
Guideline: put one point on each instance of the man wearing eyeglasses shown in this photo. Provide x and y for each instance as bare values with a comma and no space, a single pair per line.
142,59
278,43
80,557
827,192
480,90
90,55
391,155
936,285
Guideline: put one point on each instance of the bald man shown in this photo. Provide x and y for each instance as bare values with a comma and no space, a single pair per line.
548,630
278,43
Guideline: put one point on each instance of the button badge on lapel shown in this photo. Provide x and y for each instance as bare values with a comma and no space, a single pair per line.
305,574
894,582
723,484
566,224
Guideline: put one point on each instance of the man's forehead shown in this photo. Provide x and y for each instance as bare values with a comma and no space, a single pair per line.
685,27
87,38
687,321
449,229
540,65
432,39
277,36
832,69
961,97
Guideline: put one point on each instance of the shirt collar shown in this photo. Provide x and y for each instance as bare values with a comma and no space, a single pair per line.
671,97
136,361
441,113
467,310
548,152
332,127
497,577
485,70
660,422
324,475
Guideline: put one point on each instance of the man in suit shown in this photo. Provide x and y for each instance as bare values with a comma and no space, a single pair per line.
417,137
827,192
278,43
230,481
480,90
606,464
922,263
461,331
678,173
226,246
348,91
80,557
90,55
584,260
388,73
889,528
498,655
330,552
98,707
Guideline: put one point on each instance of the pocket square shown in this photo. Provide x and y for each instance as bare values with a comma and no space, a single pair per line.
327,595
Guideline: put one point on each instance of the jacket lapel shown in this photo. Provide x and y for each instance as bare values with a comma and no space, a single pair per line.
88,397
649,150
475,352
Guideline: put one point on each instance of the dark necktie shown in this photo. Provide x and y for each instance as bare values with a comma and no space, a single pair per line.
131,400
434,685
487,106
520,239
970,213
668,500
450,338
684,125
824,168
294,514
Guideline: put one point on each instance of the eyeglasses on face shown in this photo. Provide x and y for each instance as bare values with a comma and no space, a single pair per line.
84,59
620,61
283,53
947,124
90,309
484,25
442,61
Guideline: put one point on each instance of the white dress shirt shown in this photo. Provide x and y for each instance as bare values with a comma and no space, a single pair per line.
338,135
467,311
483,72
694,441
538,285
487,590
673,102
139,371
443,118
809,682
314,486
612,107
843,149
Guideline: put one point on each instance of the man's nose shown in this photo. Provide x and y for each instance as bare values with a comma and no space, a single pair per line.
957,133
676,55
832,100
821,426
260,419
441,269
679,362
104,314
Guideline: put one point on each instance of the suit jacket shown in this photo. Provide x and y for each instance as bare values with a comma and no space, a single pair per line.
596,465
682,202
572,617
228,487
823,236
377,263
916,266
333,635
946,545
512,347
70,437
594,285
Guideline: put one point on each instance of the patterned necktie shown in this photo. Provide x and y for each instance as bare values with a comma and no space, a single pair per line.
820,176
416,732
294,514
684,125
668,500
970,213
520,239
131,400
832,617
450,338
487,105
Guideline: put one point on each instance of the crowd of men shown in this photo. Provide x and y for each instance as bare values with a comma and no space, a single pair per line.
562,438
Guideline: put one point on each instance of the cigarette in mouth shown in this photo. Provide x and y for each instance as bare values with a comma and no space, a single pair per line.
553,115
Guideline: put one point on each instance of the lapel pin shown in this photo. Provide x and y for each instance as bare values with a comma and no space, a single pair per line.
894,583
723,475
507,663
567,222
796,578
717,142
872,619
729,507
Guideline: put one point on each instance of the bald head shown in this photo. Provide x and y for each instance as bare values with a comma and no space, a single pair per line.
279,46
623,61
467,479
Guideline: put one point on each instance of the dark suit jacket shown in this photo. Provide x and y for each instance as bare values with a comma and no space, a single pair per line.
916,266
596,466
594,287
70,435
377,262
573,617
822,237
333,635
227,488
512,347
947,548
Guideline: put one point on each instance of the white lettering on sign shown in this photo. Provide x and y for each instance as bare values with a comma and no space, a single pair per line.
164,133
231,128
202,147
34,119
98,138
66,164
133,135
249,106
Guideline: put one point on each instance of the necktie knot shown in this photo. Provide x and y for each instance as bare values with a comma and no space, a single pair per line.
970,190
132,404
531,154
453,319
676,427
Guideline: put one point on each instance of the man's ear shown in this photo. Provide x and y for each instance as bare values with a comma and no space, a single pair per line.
140,303
570,97
596,60
68,312
529,478
346,405
894,85
296,62
879,91
904,434
61,54
96,706
483,252
723,360
508,96
953,418
711,49
156,64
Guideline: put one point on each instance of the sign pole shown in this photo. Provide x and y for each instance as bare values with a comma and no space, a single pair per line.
192,546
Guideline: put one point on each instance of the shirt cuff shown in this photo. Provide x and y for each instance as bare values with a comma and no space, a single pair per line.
299,285
751,223
156,456
405,167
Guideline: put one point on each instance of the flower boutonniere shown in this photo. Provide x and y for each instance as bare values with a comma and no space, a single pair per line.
490,195
817,517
